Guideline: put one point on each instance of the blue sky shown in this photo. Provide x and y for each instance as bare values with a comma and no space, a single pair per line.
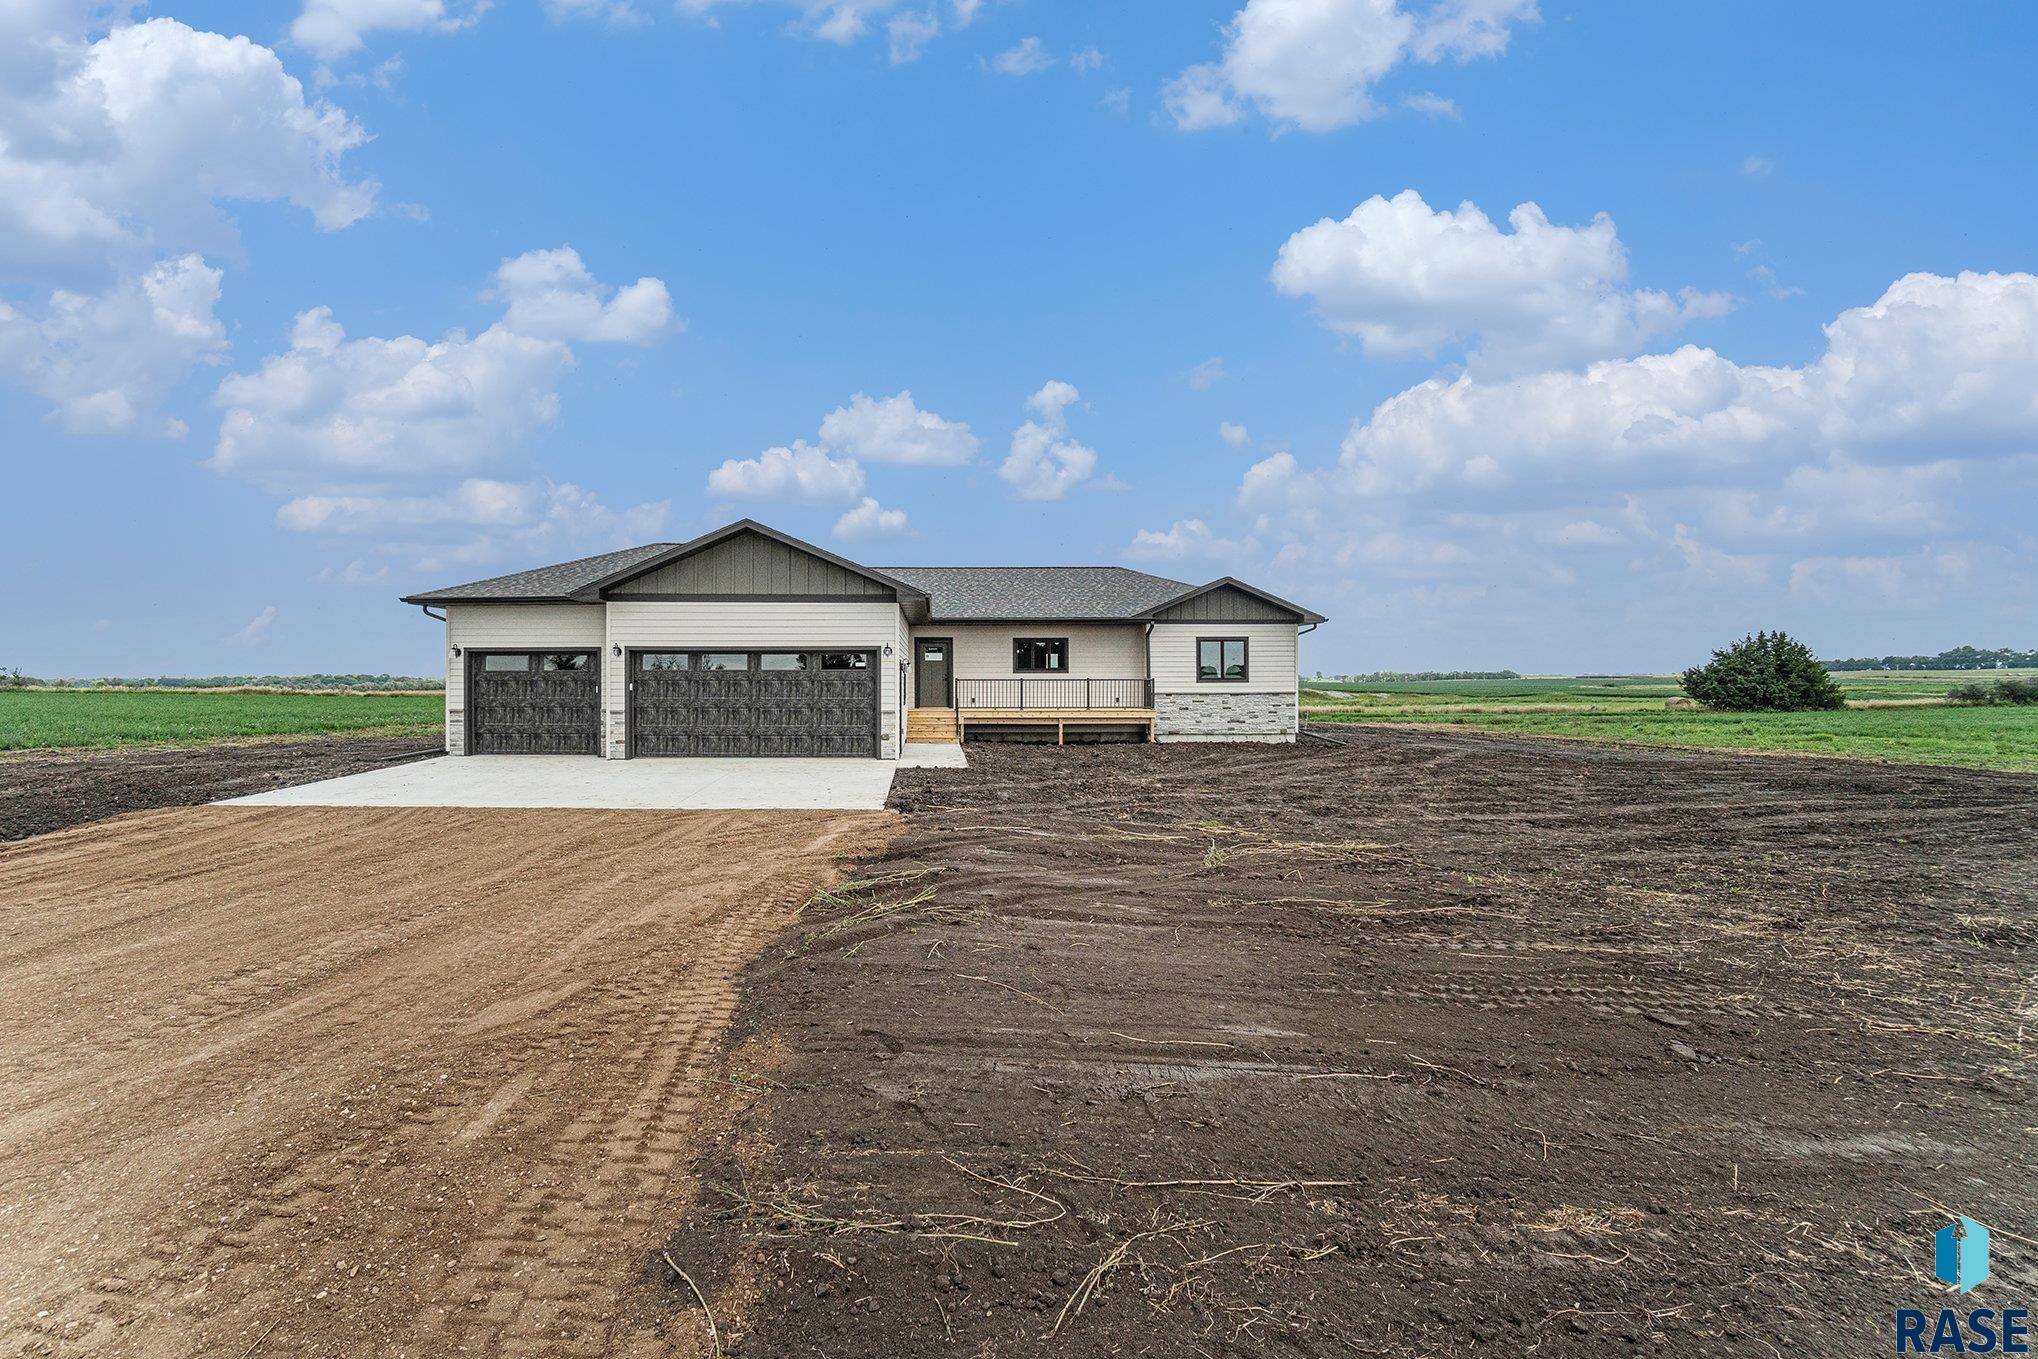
1736,331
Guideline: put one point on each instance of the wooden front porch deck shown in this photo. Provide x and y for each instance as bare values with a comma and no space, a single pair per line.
1061,719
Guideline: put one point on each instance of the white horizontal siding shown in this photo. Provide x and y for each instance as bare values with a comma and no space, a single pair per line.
1270,657
511,627
750,625
1096,650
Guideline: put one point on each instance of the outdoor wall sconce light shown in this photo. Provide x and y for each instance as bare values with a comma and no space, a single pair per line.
888,651
615,649
456,651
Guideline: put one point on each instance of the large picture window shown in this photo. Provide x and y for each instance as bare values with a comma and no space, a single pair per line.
1040,655
1222,659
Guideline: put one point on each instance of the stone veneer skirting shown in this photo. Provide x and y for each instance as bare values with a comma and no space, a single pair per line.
1225,715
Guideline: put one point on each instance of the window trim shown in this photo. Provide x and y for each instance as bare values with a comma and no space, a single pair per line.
1245,661
1068,660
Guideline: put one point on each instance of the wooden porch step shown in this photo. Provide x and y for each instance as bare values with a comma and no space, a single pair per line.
932,726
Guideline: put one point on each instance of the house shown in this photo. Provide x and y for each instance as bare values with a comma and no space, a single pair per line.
746,641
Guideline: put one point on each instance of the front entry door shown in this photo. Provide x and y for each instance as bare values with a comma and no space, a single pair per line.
935,657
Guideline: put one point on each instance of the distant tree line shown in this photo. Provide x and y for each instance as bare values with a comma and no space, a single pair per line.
1959,658
402,683
1408,676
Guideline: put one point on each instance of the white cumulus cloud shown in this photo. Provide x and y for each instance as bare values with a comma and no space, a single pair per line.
1936,366
106,360
1044,462
381,407
1406,279
389,438
1238,436
129,142
117,153
800,472
1313,64
1182,539
872,520
386,407
552,296
332,29
893,429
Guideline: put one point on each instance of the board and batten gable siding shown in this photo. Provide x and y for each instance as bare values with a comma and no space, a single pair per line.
751,625
1226,603
749,565
1270,657
510,627
1096,650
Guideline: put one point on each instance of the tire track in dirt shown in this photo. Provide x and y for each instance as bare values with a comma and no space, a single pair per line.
1426,1044
340,1071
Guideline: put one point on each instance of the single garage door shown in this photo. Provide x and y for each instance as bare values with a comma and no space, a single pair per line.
533,703
753,703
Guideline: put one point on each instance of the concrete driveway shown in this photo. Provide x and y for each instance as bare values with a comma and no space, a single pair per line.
582,781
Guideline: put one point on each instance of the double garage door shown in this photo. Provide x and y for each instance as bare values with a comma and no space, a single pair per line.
753,703
694,702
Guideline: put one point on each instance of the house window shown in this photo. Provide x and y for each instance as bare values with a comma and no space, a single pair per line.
1221,659
845,660
1040,655
519,663
566,660
725,660
662,660
783,660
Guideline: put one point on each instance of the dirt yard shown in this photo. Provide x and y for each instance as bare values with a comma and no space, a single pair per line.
47,790
1432,1044
360,1082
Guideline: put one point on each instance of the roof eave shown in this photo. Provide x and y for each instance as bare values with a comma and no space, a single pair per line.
487,599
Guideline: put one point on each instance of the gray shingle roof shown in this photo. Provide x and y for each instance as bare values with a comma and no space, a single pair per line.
955,593
546,582
1070,593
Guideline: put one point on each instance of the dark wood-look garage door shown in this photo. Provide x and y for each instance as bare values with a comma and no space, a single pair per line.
754,703
534,703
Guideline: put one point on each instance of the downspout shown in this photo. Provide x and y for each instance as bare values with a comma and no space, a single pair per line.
1299,635
1153,723
447,700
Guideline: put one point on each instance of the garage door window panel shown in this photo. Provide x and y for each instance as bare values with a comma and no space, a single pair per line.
535,703
762,703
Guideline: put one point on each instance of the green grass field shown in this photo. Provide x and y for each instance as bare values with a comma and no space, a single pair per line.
37,719
1896,717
